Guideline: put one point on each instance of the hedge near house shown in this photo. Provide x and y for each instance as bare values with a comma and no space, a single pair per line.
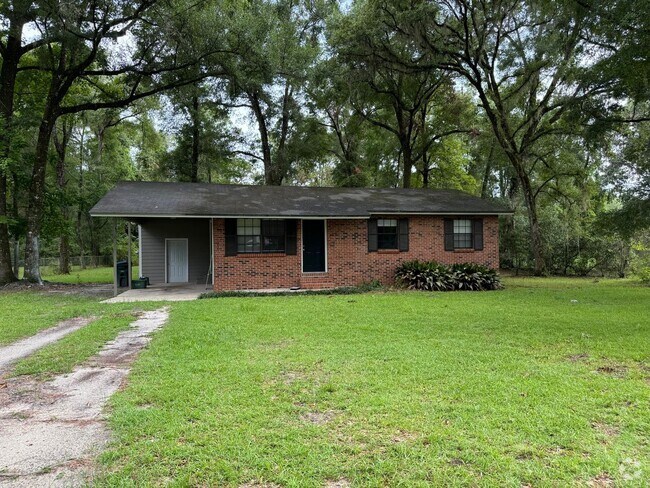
433,276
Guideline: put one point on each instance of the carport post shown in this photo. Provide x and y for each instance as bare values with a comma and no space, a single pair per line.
114,257
128,255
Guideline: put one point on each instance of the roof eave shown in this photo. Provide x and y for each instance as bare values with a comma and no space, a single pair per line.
280,216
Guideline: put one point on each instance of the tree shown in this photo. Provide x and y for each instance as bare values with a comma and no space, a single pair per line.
523,60
72,50
277,45
388,94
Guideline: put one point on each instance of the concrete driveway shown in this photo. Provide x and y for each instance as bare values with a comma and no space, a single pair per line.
161,293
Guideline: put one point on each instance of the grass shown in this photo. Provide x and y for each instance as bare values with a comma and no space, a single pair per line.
80,276
25,313
75,348
545,383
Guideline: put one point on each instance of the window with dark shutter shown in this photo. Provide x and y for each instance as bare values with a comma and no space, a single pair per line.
403,235
372,235
259,235
290,237
478,234
449,234
230,226
464,234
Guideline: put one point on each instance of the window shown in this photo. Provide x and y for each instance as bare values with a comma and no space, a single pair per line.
273,235
257,235
462,234
386,233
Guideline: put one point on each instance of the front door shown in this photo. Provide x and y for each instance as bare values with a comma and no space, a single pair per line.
313,246
177,261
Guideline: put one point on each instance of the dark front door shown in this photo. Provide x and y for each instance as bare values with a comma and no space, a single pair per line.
313,246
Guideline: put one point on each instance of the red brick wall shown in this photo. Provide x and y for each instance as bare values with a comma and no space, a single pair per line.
348,259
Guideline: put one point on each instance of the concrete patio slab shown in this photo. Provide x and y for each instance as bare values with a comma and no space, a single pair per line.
161,293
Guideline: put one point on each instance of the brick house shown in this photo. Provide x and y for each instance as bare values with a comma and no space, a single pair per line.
238,237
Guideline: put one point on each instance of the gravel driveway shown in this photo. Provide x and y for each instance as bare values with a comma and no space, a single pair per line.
51,431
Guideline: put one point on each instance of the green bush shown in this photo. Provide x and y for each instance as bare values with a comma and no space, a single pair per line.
432,276
644,275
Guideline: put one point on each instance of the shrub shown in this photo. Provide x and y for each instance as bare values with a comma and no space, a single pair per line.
432,276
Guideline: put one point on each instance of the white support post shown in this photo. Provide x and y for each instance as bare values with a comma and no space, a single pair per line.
140,273
128,256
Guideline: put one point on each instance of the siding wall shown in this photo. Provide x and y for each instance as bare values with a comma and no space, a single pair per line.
154,233
348,259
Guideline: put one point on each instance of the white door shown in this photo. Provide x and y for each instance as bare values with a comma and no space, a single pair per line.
177,260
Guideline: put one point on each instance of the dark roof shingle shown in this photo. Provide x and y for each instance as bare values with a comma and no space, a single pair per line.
152,199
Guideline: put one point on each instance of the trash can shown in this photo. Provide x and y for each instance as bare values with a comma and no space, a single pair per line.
122,274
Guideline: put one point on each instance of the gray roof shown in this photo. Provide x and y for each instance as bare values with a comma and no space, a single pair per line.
150,199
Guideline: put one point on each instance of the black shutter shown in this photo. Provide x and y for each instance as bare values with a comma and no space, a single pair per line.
403,236
477,231
231,237
449,234
372,235
290,246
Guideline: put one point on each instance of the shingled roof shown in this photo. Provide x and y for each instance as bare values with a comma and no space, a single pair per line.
150,199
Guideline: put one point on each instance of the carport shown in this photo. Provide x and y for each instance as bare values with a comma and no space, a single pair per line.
174,254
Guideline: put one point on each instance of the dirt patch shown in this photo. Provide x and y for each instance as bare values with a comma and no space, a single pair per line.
606,430
52,430
404,436
290,377
25,347
318,418
259,484
339,483
613,369
601,481
576,358
275,346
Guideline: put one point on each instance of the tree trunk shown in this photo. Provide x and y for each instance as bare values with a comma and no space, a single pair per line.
536,239
486,174
80,188
196,133
61,146
36,194
8,73
264,139
407,158
14,197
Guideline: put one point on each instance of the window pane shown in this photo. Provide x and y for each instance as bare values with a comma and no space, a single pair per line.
387,241
386,223
248,243
462,226
248,227
387,233
273,235
463,234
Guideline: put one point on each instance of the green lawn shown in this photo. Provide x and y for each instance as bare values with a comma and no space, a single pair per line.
79,276
25,313
546,383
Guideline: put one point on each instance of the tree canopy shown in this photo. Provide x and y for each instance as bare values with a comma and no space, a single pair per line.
543,105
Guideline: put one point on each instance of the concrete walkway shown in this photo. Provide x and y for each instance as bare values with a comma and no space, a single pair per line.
161,293
24,347
52,431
